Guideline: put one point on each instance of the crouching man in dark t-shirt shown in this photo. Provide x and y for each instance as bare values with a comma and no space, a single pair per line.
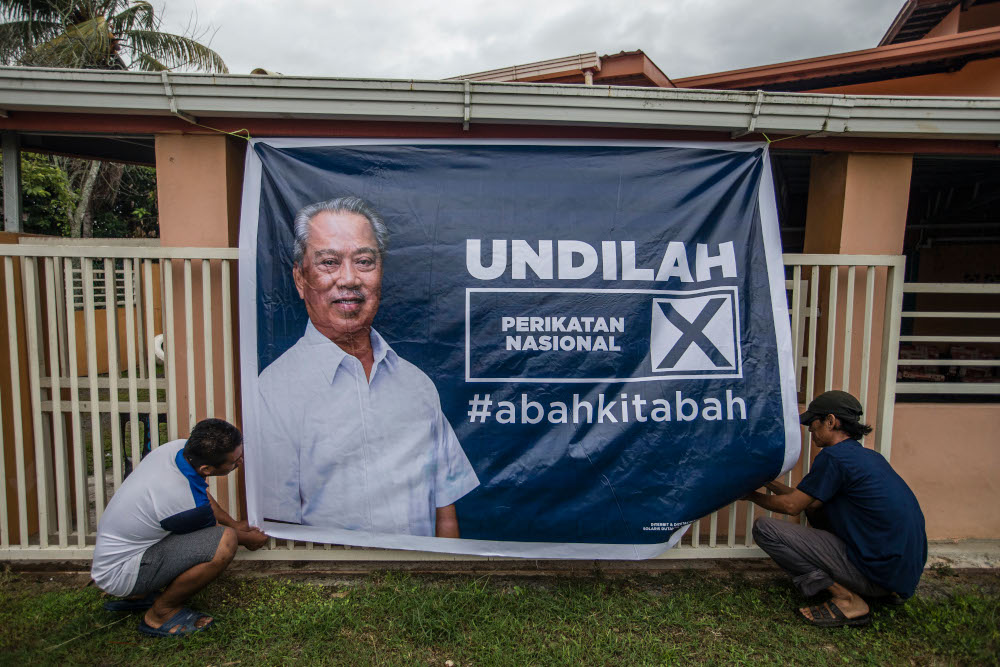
867,537
162,530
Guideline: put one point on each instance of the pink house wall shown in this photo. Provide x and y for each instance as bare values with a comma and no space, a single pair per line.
949,454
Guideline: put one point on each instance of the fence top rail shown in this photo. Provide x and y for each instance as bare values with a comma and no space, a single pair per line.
117,252
951,288
161,252
799,259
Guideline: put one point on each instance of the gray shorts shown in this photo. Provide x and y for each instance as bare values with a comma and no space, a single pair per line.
173,555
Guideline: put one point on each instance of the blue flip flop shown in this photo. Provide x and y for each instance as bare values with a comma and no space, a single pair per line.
139,604
184,621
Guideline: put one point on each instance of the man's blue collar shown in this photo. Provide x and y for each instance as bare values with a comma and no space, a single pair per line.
198,484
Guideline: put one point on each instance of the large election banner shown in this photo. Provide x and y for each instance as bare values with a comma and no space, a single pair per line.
538,349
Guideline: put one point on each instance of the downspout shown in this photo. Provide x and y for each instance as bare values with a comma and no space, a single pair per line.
12,202
838,114
467,115
752,124
173,101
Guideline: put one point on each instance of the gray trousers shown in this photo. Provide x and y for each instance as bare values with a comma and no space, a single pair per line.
816,559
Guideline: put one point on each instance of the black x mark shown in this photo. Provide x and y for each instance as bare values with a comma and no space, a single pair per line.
692,333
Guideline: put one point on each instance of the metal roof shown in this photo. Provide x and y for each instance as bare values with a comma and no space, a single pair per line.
627,68
199,96
542,69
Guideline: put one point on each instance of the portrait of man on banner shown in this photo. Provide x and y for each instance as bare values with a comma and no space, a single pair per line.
354,434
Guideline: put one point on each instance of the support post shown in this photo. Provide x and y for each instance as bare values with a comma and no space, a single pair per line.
12,209
857,206
890,355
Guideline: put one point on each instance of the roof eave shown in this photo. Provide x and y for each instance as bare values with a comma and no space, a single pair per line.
194,96
964,44
904,15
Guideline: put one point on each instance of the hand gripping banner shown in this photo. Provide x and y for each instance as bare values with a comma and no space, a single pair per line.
538,349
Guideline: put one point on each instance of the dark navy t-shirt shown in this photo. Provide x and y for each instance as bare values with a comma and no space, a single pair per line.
873,511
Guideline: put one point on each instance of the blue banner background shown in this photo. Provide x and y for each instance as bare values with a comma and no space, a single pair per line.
597,482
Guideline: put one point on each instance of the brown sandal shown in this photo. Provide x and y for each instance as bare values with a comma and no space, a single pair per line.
829,615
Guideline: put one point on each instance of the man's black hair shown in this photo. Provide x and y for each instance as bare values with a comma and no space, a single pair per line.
211,441
853,428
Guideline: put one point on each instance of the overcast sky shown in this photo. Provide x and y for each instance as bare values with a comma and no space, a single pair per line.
424,39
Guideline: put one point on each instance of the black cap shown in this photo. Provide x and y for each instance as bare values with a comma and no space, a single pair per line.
837,403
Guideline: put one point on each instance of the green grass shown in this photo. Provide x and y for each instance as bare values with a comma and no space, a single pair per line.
677,617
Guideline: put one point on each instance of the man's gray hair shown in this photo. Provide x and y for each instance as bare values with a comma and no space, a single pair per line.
348,204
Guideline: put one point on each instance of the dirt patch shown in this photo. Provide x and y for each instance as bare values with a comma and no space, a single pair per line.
938,581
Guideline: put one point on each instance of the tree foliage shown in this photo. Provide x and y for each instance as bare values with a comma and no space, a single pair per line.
124,197
91,198
96,34
48,197
131,212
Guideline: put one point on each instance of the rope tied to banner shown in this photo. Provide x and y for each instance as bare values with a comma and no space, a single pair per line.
775,141
794,136
188,118
235,133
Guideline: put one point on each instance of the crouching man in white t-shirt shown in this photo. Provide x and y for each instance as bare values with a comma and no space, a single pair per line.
162,530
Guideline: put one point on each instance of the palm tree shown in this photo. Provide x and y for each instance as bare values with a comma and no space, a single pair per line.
96,34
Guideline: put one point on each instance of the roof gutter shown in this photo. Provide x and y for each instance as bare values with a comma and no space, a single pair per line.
246,96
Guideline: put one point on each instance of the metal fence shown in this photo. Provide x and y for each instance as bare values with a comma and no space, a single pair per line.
844,312
83,394
951,343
